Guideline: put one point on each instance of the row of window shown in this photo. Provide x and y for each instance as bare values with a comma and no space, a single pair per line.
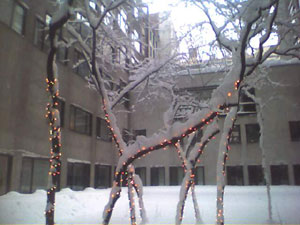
253,132
35,170
34,175
192,96
279,175
81,122
39,39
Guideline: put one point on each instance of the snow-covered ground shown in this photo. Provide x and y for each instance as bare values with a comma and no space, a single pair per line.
243,205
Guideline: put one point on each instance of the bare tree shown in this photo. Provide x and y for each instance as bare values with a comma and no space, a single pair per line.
243,22
53,109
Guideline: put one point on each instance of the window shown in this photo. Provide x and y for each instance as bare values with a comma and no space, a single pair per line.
279,175
141,171
61,108
48,19
107,18
122,51
114,55
93,4
78,176
102,131
199,175
235,137
34,174
235,175
126,98
80,120
252,133
126,101
81,65
176,175
102,176
6,11
122,18
62,52
18,22
136,12
5,173
297,174
295,130
126,135
46,46
246,103
39,34
189,103
256,175
139,133
82,26
157,176
135,39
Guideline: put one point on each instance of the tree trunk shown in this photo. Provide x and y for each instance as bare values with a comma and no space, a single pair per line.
53,112
131,196
221,163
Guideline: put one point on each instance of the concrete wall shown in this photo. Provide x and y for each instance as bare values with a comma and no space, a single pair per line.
281,105
24,129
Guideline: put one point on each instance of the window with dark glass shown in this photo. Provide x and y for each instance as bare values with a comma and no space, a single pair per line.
235,175
235,137
157,176
80,120
82,25
18,20
176,175
61,108
126,135
279,174
102,131
81,65
141,171
297,174
141,132
199,175
48,19
39,34
34,174
62,52
256,175
93,4
46,46
5,173
122,21
252,133
102,176
246,103
125,99
295,130
78,176
135,12
114,55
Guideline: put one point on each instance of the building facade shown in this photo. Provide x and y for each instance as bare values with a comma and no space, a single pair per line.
281,134
88,155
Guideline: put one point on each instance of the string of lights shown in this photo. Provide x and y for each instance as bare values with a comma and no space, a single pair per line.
52,113
221,181
190,181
